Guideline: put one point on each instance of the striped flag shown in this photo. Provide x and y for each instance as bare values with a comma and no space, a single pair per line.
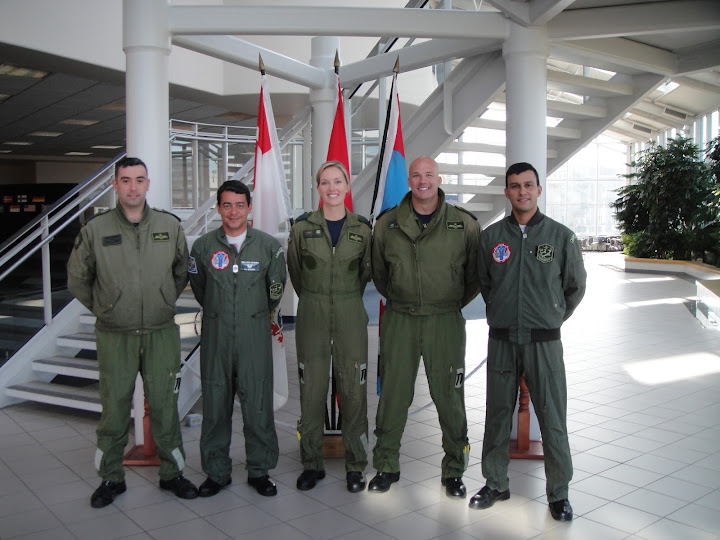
270,208
391,181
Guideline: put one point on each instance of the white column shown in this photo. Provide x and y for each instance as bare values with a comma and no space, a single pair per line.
525,52
146,42
322,101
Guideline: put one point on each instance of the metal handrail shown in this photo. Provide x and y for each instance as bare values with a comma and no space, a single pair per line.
198,221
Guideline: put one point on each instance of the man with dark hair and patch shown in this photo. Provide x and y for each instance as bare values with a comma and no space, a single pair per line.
128,267
424,259
532,278
238,276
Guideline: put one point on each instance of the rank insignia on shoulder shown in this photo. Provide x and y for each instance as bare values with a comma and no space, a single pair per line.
393,225
160,236
545,253
455,225
314,233
78,241
355,237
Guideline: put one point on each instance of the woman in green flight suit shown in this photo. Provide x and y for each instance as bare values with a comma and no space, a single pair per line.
329,265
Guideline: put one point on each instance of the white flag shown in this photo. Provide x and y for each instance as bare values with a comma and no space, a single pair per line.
271,207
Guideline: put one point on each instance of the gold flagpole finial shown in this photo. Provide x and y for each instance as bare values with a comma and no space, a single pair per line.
337,62
261,64
396,69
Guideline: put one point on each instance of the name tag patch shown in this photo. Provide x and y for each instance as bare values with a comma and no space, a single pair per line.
114,240
455,225
160,236
355,237
316,233
249,266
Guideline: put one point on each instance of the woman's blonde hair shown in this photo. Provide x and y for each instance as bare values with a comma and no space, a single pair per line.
329,164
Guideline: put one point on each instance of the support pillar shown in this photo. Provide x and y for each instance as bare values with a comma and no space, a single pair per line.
526,52
146,42
322,101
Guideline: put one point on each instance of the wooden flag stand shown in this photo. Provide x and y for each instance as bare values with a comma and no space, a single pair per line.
523,447
146,453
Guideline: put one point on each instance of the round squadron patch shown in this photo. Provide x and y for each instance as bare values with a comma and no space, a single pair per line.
501,253
220,260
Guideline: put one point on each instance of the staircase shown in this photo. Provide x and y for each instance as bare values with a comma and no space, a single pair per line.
66,372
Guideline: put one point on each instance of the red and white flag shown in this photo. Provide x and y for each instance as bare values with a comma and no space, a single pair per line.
338,147
270,208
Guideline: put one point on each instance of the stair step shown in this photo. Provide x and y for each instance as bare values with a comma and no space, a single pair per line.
82,340
86,398
64,365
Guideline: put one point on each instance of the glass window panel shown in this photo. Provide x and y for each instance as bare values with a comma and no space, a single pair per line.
555,192
584,164
581,192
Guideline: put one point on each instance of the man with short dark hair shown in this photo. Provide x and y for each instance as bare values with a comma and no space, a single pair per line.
128,267
238,275
424,259
532,278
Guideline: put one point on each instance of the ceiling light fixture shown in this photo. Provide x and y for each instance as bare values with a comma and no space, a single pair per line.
18,143
15,71
79,122
46,133
78,153
106,147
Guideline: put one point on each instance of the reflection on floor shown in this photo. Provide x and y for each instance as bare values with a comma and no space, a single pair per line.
644,389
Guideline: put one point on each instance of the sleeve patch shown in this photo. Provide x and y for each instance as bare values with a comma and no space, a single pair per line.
192,266
276,291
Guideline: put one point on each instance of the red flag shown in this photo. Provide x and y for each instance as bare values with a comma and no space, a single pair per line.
338,148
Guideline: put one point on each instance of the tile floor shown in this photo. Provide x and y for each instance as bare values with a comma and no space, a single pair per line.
644,403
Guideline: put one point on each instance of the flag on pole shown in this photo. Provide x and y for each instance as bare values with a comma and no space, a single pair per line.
391,181
270,208
338,147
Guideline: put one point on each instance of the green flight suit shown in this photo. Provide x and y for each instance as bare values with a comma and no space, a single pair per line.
532,281
237,291
331,323
130,276
427,274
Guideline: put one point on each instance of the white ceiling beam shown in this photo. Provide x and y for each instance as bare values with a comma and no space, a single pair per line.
518,12
696,84
658,122
586,86
617,52
242,53
543,11
699,58
414,57
636,20
335,21
624,135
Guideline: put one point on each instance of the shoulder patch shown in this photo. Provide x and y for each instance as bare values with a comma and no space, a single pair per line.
88,220
303,217
468,212
168,213
364,220
385,211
